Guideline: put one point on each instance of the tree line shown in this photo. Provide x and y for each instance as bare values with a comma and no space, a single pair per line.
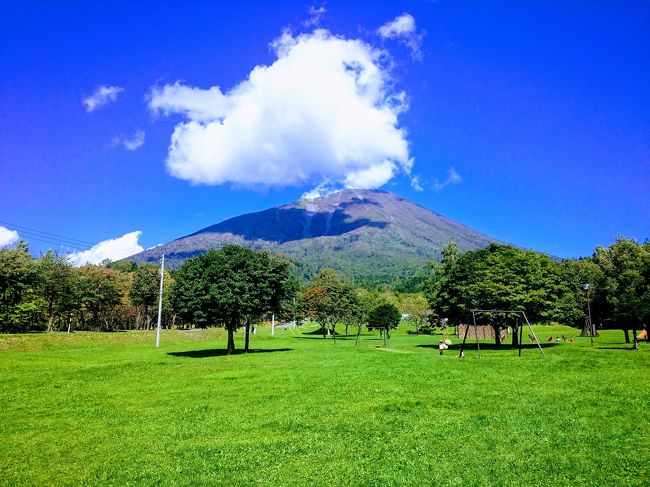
235,287
613,285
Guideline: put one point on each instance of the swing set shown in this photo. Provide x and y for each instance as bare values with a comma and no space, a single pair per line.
478,312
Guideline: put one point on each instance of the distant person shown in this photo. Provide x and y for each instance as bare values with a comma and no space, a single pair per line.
441,346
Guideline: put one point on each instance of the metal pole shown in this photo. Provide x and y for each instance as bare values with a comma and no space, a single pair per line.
162,279
478,347
591,325
534,336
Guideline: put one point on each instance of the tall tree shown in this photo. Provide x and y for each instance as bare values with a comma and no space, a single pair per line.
230,287
17,279
385,317
54,283
328,301
144,290
622,294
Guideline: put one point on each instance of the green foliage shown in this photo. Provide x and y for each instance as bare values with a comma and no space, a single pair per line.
500,277
385,316
18,276
622,287
230,287
145,290
329,301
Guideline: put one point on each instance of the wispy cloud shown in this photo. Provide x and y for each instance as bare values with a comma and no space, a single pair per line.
452,178
7,237
102,96
315,13
112,249
129,143
416,184
403,29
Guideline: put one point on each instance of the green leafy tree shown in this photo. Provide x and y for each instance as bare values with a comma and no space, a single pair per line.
18,277
100,294
328,301
498,277
54,284
144,291
230,287
417,307
385,317
622,294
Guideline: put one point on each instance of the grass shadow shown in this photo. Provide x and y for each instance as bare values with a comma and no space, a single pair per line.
219,352
492,346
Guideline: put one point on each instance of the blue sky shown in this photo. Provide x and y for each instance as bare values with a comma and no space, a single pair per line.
536,114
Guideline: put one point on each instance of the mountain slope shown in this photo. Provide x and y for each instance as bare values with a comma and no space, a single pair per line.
367,235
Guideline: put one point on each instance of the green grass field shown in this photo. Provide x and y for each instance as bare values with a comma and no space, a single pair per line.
110,409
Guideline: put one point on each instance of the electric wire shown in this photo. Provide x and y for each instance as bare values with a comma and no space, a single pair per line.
48,237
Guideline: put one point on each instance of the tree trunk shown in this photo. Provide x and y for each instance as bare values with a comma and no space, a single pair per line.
634,342
515,336
231,341
50,321
627,335
346,329
334,331
248,334
497,336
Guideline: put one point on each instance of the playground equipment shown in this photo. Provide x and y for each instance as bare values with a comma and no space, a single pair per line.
476,312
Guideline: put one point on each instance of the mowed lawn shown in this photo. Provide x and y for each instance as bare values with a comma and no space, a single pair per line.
110,409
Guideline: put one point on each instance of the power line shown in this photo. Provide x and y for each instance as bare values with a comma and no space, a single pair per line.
23,228
50,238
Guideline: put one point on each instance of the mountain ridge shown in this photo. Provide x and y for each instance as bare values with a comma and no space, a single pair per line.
366,235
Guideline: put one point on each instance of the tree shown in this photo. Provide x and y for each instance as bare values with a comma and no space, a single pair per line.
230,287
622,294
100,294
54,283
416,306
328,301
498,277
145,289
384,317
17,279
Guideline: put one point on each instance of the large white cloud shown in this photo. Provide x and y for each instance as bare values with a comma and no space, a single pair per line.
325,112
7,237
113,249
101,96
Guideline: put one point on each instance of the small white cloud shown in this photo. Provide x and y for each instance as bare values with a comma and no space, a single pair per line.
7,237
322,189
416,184
403,28
325,111
129,143
314,16
102,96
452,178
113,249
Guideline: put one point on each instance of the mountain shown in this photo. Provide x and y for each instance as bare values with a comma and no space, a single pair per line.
367,235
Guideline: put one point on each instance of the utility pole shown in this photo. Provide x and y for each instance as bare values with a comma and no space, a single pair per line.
591,325
162,278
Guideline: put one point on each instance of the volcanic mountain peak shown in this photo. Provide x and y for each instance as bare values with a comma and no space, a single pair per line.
365,234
